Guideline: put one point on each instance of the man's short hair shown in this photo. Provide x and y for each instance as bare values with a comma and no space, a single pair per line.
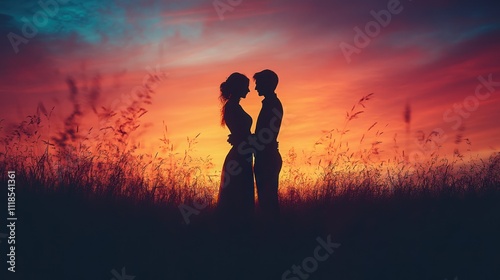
267,78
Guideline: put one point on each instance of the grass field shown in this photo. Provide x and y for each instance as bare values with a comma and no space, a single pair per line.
88,206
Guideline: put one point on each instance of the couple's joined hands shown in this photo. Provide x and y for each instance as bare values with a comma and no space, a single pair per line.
233,140
252,141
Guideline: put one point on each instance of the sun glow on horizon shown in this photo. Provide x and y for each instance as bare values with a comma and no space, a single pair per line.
165,62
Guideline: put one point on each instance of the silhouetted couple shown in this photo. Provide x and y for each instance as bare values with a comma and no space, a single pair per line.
236,194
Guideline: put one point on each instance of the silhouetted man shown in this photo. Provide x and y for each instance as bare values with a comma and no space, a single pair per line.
268,160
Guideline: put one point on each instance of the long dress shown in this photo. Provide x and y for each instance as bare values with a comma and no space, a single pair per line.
236,200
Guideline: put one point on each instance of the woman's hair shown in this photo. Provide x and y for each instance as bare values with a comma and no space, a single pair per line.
227,88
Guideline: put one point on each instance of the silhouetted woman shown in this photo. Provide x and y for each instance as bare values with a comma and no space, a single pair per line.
236,194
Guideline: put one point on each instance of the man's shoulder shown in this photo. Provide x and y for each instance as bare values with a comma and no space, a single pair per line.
277,104
278,100
274,100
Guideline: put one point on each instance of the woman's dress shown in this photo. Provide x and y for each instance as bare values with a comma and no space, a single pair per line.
236,193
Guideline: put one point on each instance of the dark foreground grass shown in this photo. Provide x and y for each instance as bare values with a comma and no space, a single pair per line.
90,207
67,236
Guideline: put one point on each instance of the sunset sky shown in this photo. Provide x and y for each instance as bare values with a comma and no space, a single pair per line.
428,54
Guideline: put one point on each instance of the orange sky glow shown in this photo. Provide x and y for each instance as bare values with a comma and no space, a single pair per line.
439,66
